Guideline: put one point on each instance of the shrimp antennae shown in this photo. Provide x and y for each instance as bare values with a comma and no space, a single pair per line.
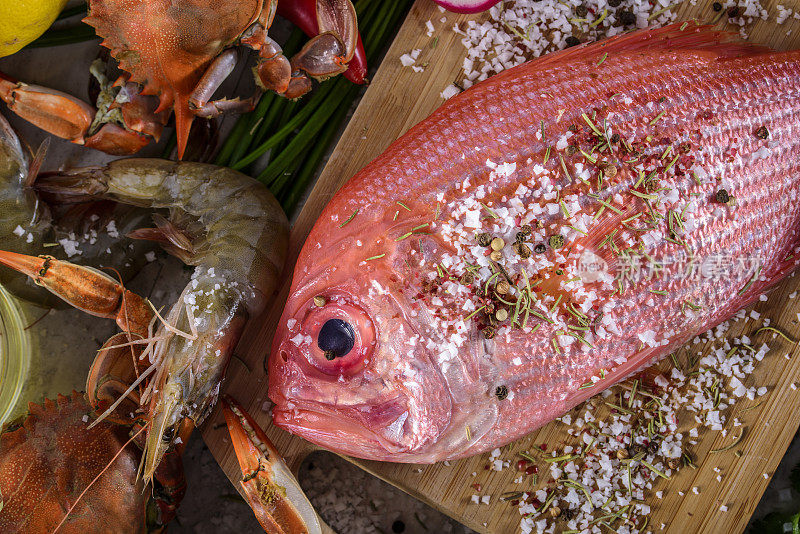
95,479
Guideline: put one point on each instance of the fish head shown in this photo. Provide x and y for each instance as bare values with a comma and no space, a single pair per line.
349,369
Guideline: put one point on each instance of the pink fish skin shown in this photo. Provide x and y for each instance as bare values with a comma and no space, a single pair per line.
694,216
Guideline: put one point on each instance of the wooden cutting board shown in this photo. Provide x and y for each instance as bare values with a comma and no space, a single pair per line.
397,99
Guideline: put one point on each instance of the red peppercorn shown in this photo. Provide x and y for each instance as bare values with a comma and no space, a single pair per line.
522,465
477,486
531,470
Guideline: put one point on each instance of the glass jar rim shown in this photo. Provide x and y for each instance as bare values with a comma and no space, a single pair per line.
15,354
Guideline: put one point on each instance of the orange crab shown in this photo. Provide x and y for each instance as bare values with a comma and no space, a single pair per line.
48,460
68,468
176,53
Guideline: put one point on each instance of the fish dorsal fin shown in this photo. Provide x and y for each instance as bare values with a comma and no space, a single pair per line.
678,36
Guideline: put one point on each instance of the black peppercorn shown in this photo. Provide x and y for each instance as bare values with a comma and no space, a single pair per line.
484,239
627,18
540,248
733,12
581,11
716,6
723,196
501,392
572,41
762,132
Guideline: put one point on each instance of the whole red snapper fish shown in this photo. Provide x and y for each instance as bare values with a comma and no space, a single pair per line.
538,238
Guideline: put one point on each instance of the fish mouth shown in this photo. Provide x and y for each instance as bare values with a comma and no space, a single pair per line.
369,431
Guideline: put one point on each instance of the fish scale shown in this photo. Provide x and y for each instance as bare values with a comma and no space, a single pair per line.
434,372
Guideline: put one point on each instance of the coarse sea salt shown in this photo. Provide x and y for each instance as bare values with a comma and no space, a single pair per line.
601,471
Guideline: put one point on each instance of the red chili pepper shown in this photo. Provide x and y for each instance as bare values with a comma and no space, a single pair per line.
303,14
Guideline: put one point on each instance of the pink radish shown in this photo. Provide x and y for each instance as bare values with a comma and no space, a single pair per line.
466,6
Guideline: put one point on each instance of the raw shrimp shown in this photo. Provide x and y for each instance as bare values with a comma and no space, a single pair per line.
235,234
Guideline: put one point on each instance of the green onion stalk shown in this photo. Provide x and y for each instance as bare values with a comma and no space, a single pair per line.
298,135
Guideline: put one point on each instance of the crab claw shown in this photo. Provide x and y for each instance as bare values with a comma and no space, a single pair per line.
72,119
84,288
271,490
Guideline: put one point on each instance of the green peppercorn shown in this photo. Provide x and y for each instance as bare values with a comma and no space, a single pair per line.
556,241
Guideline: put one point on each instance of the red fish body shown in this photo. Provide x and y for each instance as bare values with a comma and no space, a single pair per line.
644,189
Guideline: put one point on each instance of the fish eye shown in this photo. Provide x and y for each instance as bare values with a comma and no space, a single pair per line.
336,338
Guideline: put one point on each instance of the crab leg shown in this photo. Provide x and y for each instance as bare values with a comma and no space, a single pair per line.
270,488
84,288
326,54
200,102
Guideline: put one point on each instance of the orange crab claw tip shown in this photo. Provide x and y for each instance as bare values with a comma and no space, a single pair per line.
29,265
273,493
246,452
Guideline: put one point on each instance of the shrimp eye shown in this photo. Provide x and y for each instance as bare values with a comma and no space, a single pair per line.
168,434
336,338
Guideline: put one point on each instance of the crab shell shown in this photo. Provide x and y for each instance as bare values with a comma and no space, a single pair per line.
167,45
47,462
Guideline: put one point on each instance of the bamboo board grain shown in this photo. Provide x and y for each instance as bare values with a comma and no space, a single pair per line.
399,98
